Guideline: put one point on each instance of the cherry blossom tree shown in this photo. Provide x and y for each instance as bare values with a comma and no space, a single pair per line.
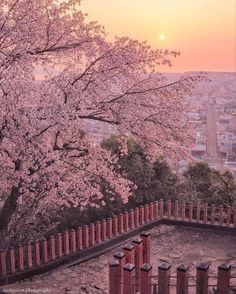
47,161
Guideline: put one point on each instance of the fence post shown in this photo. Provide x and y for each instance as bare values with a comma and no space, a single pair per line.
151,211
45,250
121,223
3,263
80,238
146,213
12,260
228,216
145,279
129,251
136,219
164,278
129,278
161,208
104,230
182,279
221,214
115,226
213,209
86,236
59,245
176,210
73,241
205,213
120,256
20,258
52,248
169,209
198,212
141,215
109,228
126,221
98,232
92,234
66,243
156,211
138,244
114,277
146,237
131,219
202,278
223,279
183,208
29,254
190,211
235,217
37,253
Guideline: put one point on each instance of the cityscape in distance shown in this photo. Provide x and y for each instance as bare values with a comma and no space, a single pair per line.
213,118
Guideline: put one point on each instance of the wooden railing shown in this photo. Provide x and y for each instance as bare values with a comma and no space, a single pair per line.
45,254
131,272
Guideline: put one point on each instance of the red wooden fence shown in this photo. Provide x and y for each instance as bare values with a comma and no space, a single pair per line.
131,275
42,252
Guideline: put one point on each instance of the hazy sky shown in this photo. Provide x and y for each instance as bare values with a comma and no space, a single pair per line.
203,30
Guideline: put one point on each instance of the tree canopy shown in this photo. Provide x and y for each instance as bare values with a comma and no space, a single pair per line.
153,180
47,162
206,184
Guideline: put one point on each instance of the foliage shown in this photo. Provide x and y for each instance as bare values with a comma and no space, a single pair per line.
153,180
202,183
73,217
156,180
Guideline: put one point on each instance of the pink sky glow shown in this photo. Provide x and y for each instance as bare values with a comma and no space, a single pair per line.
203,30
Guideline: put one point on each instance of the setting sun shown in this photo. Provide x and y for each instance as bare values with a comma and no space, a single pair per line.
162,37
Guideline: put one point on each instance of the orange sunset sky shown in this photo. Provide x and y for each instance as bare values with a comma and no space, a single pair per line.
203,30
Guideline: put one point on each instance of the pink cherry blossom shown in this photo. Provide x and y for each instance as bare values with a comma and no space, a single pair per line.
47,162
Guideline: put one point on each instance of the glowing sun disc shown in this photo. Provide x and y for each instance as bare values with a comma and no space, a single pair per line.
162,37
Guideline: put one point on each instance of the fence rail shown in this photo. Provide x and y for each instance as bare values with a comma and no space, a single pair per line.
55,250
131,272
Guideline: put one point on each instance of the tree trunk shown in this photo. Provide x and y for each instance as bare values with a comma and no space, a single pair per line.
8,210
